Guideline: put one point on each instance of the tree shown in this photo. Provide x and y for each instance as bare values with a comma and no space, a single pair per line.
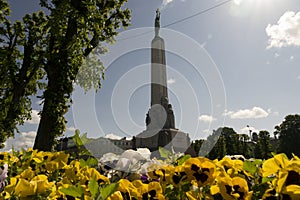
263,147
219,150
254,137
245,146
233,145
196,145
289,135
54,49
21,53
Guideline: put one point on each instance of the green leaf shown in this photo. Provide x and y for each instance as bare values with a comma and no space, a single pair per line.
93,187
90,162
84,138
164,153
107,190
266,179
182,159
77,139
249,167
73,191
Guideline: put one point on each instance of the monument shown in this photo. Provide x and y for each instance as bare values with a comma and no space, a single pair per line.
160,121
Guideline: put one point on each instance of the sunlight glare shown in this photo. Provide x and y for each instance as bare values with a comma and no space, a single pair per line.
244,8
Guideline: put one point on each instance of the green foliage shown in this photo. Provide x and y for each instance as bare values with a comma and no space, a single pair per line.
164,153
77,31
263,147
252,166
93,187
107,190
54,50
79,140
289,135
182,159
74,191
22,47
90,162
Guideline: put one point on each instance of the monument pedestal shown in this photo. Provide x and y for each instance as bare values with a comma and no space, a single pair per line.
166,138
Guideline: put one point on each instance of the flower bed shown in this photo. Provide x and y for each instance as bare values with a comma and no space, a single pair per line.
54,175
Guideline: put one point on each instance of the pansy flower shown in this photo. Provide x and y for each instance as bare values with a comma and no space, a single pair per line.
177,176
232,167
127,189
201,170
235,188
272,166
153,190
117,195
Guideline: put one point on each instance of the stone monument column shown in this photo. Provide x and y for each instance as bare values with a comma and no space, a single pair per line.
160,121
160,114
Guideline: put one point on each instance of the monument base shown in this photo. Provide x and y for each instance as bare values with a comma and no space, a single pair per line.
166,138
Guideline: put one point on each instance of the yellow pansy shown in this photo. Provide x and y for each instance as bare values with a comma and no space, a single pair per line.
273,165
41,156
61,158
26,174
51,165
115,196
177,176
25,188
127,188
231,167
290,175
153,190
270,194
10,188
231,188
200,169
41,183
291,192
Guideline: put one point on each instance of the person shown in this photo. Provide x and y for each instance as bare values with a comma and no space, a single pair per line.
157,22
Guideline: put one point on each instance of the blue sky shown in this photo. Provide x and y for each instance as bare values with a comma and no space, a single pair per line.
235,65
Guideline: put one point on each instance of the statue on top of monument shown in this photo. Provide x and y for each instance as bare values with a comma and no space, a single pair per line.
157,22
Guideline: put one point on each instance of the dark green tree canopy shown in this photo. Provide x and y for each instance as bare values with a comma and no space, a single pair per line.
289,135
47,52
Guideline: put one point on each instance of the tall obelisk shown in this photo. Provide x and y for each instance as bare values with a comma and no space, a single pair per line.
160,122
160,114
158,66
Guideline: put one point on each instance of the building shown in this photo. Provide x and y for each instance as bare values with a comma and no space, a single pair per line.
97,146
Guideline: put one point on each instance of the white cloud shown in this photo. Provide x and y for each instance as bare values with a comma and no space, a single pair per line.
22,140
164,4
171,81
35,118
276,55
274,113
206,118
292,57
255,112
298,77
112,136
286,32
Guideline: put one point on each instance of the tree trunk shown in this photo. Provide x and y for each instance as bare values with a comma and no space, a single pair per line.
52,121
